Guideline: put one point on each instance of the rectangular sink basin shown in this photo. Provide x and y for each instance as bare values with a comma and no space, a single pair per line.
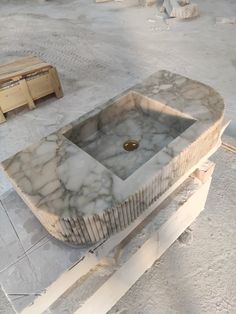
98,174
129,132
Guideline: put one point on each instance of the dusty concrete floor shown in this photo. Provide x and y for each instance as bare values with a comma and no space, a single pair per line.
102,49
197,274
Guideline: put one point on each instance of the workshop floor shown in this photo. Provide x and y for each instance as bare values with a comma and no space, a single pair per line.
102,49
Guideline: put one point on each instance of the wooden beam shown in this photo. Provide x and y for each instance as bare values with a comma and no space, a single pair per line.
204,171
56,82
2,117
25,90
123,279
22,67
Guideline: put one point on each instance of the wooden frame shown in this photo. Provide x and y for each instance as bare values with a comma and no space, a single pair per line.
24,81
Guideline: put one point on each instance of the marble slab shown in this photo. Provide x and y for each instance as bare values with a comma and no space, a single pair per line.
82,185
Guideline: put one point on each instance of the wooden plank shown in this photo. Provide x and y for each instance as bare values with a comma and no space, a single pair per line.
22,73
2,117
25,90
40,86
19,64
229,147
123,279
11,98
204,171
56,82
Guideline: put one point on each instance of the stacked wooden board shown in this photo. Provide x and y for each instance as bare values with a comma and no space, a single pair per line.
24,81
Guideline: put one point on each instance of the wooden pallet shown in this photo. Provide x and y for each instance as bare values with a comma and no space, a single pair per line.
24,81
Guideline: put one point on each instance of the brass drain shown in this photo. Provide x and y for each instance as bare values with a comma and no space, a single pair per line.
130,145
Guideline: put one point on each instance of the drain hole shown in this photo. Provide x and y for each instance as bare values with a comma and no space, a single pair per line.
130,145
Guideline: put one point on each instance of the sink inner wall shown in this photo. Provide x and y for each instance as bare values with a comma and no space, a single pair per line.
133,116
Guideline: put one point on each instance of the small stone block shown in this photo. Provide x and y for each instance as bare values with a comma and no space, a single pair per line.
205,171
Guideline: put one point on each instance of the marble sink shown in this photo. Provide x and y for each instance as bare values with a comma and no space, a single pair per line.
98,174
131,118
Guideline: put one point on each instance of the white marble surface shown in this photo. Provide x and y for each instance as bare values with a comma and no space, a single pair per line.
132,117
124,49
58,179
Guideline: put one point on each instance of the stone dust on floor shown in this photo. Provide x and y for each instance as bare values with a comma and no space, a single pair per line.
101,50
197,273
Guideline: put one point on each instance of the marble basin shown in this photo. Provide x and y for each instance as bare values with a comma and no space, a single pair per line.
131,117
83,184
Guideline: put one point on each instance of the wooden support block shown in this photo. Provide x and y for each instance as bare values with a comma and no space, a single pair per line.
25,90
107,295
56,82
2,117
204,171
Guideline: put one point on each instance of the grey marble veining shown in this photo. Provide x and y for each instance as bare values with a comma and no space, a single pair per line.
129,118
80,183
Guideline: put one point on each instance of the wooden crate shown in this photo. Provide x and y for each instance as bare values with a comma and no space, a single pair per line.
25,80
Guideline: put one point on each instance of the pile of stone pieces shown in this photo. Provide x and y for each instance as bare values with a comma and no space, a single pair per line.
140,2
181,9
